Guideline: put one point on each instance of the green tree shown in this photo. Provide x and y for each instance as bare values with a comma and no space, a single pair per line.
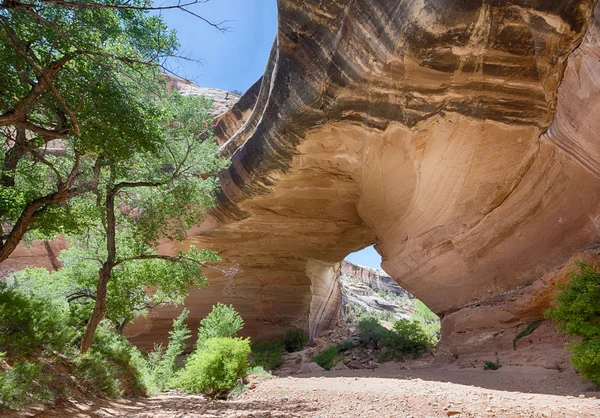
75,79
578,314
153,195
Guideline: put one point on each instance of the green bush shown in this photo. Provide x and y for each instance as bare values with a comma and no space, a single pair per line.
430,323
527,331
96,373
330,356
408,337
586,358
370,331
114,365
28,323
23,384
578,314
162,363
490,365
295,339
222,321
268,354
327,358
215,368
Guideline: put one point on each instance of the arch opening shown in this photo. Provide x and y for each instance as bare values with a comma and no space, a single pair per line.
367,290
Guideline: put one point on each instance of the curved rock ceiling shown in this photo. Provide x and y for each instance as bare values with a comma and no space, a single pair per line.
461,137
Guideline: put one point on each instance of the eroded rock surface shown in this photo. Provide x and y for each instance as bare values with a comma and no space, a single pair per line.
424,127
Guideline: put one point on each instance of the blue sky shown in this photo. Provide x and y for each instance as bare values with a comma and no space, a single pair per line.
366,257
233,60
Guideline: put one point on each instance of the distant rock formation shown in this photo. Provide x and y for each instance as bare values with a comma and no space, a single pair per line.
377,279
367,290
222,100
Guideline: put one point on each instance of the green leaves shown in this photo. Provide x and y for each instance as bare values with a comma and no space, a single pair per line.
578,310
578,314
222,321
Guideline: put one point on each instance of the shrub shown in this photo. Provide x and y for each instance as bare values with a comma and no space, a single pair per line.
490,365
114,365
408,337
430,323
295,339
268,354
215,368
586,358
578,314
22,384
162,363
28,323
98,374
370,331
327,358
330,356
527,331
222,321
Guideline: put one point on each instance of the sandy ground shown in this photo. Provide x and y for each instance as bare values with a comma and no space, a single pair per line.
390,391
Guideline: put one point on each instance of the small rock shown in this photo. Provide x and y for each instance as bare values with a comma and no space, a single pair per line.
453,412
340,366
310,368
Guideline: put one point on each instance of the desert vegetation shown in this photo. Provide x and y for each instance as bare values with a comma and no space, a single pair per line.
577,313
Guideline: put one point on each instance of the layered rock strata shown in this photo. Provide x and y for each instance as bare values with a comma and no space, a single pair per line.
376,279
424,127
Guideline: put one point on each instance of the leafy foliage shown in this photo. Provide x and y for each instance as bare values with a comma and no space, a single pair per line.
408,337
162,363
578,314
78,80
430,323
527,331
330,356
295,339
39,338
222,321
491,365
370,331
268,354
215,368
28,324
22,384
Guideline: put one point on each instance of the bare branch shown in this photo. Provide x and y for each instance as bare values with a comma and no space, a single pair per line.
124,6
177,259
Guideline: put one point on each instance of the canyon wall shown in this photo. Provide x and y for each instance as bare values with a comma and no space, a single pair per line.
456,136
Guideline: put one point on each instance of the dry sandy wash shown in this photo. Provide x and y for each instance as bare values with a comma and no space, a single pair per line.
390,391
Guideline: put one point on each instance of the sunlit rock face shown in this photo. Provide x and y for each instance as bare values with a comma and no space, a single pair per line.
458,136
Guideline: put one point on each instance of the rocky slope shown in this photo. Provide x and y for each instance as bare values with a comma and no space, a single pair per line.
367,290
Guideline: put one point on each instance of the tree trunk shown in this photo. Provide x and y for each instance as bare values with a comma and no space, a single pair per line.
104,273
28,217
99,308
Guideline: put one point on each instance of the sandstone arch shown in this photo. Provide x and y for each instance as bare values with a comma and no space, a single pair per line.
458,136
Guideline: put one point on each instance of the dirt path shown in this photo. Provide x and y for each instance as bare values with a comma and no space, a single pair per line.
390,391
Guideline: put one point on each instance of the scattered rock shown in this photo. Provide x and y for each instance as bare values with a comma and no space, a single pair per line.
340,366
311,367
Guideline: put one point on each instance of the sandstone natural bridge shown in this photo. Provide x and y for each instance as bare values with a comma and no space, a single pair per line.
458,136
